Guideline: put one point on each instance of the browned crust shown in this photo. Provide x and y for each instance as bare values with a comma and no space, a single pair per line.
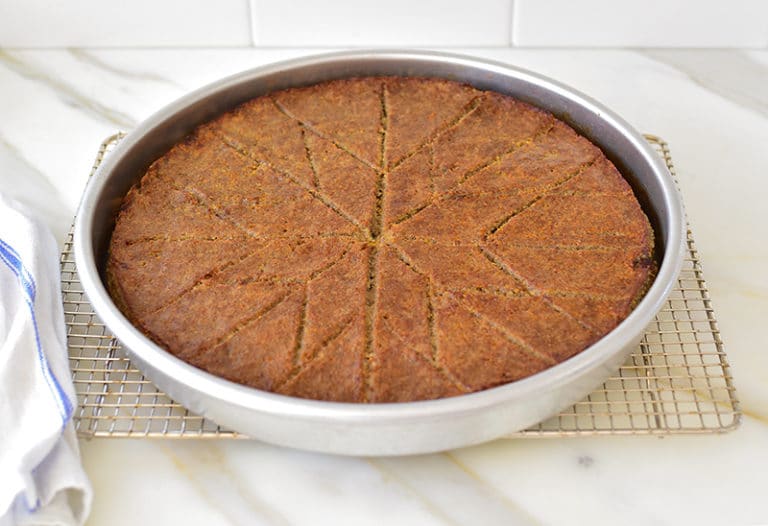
380,239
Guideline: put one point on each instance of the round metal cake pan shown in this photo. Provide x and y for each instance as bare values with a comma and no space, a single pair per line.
395,428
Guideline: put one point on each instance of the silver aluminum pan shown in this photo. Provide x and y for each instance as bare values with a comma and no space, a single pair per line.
380,429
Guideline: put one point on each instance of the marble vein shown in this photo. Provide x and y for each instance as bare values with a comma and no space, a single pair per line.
392,475
22,180
221,487
731,74
522,515
453,490
30,170
89,58
70,95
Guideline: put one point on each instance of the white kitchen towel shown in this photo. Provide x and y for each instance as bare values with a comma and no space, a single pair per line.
42,480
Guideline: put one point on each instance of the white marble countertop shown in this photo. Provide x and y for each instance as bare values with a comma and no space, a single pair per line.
56,106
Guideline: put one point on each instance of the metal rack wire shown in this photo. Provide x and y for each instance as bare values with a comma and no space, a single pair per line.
676,381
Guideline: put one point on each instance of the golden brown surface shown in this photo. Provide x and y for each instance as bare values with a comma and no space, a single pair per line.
380,240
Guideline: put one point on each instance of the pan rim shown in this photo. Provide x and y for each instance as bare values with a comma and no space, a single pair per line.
146,351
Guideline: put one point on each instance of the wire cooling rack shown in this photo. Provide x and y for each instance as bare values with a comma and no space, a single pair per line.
676,381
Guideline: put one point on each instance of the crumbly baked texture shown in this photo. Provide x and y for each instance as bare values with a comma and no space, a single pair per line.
380,240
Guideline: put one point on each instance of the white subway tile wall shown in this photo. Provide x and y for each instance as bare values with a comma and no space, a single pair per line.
404,23
640,23
381,23
135,23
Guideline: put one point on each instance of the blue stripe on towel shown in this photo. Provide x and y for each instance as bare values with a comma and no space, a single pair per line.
12,259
